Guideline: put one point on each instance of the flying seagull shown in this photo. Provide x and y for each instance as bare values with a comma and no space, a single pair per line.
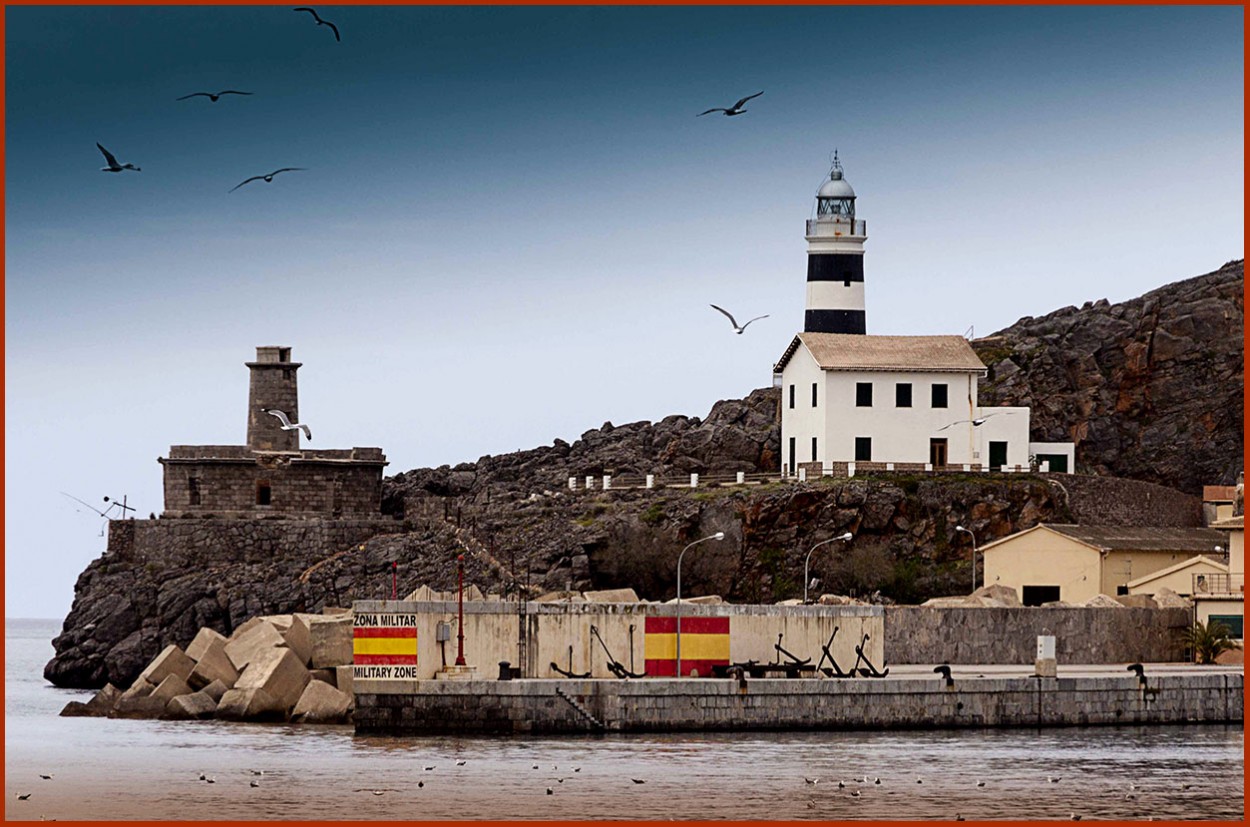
287,426
213,96
268,179
113,166
976,422
321,22
734,322
736,109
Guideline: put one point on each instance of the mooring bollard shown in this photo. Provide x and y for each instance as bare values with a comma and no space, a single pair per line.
1046,665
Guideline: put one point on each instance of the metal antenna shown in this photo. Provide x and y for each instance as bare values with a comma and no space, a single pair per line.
119,505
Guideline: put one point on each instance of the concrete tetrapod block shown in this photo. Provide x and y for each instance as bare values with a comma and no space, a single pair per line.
325,675
321,703
612,596
171,661
245,627
99,706
299,639
203,640
249,705
214,665
215,690
170,688
279,622
189,707
343,680
331,640
335,610
248,646
278,672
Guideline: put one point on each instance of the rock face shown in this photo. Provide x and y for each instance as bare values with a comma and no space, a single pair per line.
1149,389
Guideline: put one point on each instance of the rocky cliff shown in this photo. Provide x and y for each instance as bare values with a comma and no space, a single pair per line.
1149,389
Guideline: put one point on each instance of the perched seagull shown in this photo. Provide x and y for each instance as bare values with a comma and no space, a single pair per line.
977,422
1075,817
1054,779
254,783
23,796
854,793
321,22
420,783
841,785
268,179
550,791
284,427
734,321
980,783
287,426
257,772
736,109
213,96
49,778
577,769
113,166
876,781
460,763
811,780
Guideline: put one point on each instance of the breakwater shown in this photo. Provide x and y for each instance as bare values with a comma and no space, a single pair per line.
913,701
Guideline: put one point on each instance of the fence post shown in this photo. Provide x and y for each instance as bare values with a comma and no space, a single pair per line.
967,467
607,482
742,477
928,466
694,480
590,483
651,480
889,466
802,474
850,469
572,483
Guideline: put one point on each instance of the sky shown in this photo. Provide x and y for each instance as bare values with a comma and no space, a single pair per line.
510,221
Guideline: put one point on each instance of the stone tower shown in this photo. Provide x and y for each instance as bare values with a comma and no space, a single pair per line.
835,260
272,386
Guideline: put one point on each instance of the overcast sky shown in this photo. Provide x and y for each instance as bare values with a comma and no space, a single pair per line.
511,222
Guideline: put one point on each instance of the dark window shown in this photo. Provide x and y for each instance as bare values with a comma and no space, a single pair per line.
939,396
792,396
998,455
284,354
813,449
902,395
846,279
1234,624
791,453
262,492
863,449
286,374
1037,595
863,394
193,490
814,394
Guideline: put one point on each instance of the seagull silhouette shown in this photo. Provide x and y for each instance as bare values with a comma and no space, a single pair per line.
976,422
268,179
113,166
321,22
213,96
734,321
287,426
736,109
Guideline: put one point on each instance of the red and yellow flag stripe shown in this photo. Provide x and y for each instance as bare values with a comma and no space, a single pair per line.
384,646
704,644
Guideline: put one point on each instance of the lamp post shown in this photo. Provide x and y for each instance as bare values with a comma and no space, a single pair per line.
974,554
720,535
808,558
460,624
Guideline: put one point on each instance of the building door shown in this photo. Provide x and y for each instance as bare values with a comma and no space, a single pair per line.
1037,595
937,452
998,455
1057,463
792,456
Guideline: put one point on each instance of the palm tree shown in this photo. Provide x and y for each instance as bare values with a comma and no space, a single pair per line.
1208,640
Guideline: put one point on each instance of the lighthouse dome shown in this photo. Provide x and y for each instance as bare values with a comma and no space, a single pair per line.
836,187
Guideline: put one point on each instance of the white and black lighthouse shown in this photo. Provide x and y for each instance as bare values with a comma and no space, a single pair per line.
835,260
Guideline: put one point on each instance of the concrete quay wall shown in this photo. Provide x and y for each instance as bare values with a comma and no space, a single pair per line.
670,705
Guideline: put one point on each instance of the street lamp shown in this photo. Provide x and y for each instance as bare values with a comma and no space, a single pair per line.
808,558
720,535
974,554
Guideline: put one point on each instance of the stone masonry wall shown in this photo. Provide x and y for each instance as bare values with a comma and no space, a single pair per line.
929,634
295,487
1114,501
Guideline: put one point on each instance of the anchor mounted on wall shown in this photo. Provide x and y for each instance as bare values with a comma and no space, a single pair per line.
569,673
835,671
870,671
614,666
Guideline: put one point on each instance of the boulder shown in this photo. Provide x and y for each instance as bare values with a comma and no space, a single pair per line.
835,600
245,648
955,602
793,601
472,593
1102,601
78,709
298,639
343,679
1136,601
249,705
215,690
612,596
170,688
708,600
321,703
331,640
1168,599
190,707
335,610
214,665
560,596
171,661
421,594
279,672
203,640
1057,604
1002,595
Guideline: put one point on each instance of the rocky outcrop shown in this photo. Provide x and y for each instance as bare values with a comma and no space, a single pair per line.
1149,389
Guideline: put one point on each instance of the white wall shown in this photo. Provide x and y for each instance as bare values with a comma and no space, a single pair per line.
803,421
1067,449
1010,425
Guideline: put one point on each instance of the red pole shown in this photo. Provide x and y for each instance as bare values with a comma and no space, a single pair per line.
460,626
394,580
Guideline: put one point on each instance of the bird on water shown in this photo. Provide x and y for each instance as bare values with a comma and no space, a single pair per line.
736,109
321,22
268,179
213,96
737,328
113,166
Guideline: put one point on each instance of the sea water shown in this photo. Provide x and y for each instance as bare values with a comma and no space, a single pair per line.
126,769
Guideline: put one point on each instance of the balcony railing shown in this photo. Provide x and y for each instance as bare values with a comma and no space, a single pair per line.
1219,584
831,228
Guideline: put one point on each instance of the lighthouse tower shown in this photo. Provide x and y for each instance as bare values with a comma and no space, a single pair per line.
835,260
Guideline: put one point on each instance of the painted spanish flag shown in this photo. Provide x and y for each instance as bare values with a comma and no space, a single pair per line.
704,644
386,646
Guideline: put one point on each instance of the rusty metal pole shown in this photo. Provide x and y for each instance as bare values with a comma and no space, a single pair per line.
460,625
394,580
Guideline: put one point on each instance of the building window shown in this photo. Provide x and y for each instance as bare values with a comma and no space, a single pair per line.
1037,595
813,449
863,449
792,396
863,394
792,454
193,490
902,395
1234,624
814,385
939,396
263,492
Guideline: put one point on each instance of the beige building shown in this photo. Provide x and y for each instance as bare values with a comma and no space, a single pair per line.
1222,596
1074,563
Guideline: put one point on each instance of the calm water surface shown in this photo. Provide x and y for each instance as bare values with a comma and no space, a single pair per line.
114,769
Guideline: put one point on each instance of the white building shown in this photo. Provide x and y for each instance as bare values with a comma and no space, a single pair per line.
909,401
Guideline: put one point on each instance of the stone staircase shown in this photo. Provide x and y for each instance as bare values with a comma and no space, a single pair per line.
581,710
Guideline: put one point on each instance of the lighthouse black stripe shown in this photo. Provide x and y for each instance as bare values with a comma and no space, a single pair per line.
834,321
835,267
